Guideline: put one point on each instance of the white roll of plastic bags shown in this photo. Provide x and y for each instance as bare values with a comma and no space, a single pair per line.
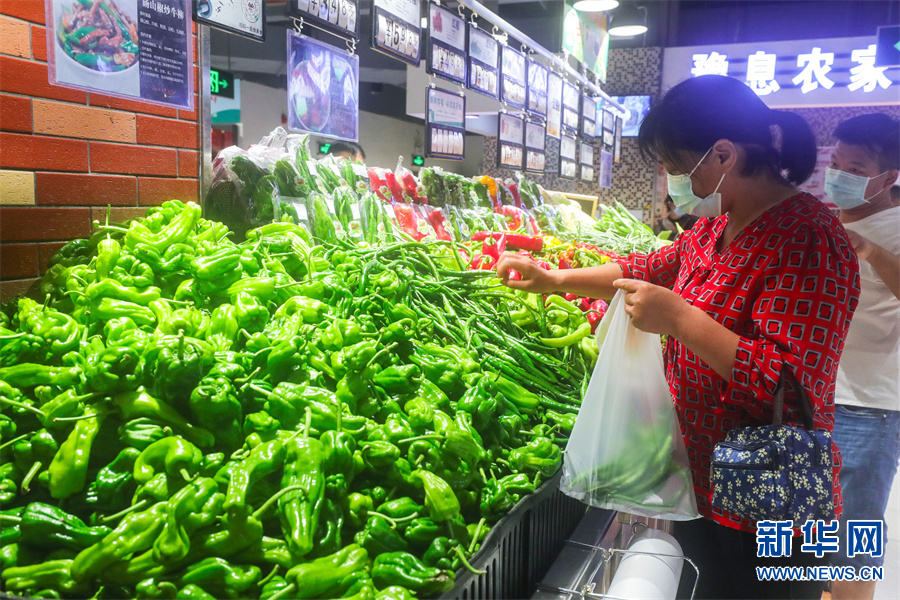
626,451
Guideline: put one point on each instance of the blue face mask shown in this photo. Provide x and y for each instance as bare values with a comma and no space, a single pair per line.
681,188
847,190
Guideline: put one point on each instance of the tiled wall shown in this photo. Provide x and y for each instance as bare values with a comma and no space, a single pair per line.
632,72
65,155
824,120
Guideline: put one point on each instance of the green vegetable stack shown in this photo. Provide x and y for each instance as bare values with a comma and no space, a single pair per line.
183,416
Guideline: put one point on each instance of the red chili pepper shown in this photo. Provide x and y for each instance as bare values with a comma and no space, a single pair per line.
514,192
594,319
437,222
406,218
569,296
564,264
514,240
394,186
584,304
379,185
514,275
494,249
543,264
412,188
513,217
595,312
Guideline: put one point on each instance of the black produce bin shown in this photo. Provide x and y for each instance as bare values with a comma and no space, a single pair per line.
520,548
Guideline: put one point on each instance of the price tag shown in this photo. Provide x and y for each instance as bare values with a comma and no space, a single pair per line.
390,211
360,171
312,166
396,29
340,15
354,210
334,11
329,202
301,211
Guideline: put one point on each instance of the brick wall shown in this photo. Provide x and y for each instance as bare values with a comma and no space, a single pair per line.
65,155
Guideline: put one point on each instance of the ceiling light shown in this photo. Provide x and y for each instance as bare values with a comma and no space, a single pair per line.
595,5
628,21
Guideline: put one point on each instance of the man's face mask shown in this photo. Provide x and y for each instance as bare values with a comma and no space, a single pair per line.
847,190
681,188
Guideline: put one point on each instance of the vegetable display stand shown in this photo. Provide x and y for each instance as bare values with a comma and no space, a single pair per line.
521,547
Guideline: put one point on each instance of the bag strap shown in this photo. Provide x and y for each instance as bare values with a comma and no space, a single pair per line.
788,378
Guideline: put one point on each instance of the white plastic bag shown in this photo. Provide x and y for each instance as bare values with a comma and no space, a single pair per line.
626,451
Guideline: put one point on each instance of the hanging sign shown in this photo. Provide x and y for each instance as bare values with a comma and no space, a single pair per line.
535,143
586,159
568,159
512,86
339,16
570,107
484,62
617,142
445,121
139,49
511,137
588,116
396,31
247,18
323,88
446,44
554,105
537,90
606,163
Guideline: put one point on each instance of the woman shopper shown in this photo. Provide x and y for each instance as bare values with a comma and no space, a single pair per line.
768,281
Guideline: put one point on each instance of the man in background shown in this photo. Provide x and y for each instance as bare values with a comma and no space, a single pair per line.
864,165
348,150
672,220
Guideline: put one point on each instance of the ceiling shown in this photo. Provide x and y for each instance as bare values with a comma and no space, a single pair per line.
670,23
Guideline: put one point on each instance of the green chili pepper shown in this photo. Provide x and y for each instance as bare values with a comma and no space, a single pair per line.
68,470
404,569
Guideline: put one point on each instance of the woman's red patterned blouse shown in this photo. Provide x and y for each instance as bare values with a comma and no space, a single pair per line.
788,285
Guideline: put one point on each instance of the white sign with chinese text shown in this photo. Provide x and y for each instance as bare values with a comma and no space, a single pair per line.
828,72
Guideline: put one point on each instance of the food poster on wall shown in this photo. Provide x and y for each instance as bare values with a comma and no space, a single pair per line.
323,88
512,77
586,159
617,143
339,16
537,88
588,116
511,140
139,49
484,62
554,105
445,121
535,147
446,44
586,39
246,17
570,107
568,159
606,165
396,29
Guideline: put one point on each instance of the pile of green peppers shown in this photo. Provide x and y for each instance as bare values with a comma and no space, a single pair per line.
182,416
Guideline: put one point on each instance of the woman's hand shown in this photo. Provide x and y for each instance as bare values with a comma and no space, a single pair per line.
653,308
533,278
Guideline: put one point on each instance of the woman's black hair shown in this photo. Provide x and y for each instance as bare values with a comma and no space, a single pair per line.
698,112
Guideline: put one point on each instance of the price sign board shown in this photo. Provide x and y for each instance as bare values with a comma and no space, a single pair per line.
445,120
535,147
511,139
570,107
617,153
446,44
339,16
396,29
554,105
484,63
568,156
246,18
512,77
538,76
606,163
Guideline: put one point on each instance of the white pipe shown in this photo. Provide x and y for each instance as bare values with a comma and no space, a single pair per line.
651,575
